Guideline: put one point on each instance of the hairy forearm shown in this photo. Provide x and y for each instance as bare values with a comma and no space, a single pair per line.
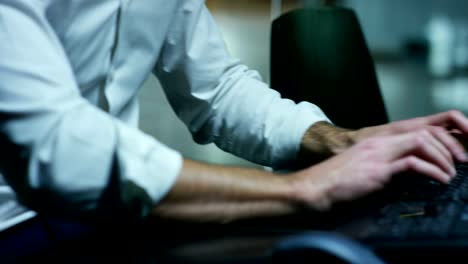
323,140
221,194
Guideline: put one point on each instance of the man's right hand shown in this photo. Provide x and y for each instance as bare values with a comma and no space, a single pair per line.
323,140
369,165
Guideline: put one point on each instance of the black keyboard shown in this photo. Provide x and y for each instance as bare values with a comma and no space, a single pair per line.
421,209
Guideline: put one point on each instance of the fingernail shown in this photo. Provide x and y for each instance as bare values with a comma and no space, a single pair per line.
453,172
448,179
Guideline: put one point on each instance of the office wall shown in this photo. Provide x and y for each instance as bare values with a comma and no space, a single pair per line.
387,24
412,83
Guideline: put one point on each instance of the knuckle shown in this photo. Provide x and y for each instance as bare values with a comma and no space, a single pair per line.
411,162
424,133
419,140
455,113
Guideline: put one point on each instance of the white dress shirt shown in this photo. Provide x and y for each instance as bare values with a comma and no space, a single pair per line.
70,72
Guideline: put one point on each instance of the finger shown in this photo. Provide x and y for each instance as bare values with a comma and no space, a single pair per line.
413,163
450,143
419,143
428,148
399,145
461,138
443,142
451,119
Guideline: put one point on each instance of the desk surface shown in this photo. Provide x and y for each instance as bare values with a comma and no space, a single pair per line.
254,240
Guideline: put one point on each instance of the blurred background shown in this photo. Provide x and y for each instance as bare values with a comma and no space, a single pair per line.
420,50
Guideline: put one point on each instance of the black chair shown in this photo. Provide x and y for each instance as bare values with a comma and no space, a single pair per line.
320,55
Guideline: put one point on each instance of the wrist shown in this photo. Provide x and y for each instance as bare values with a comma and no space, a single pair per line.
310,193
323,140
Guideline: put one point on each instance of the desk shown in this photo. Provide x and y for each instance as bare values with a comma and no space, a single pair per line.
246,241
253,240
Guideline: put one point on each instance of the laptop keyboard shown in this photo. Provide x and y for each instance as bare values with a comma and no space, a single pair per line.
426,209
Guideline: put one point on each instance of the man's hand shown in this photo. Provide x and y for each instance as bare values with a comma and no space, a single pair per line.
323,140
446,127
369,165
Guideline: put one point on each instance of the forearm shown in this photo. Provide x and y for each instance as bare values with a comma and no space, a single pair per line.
323,140
218,193
223,211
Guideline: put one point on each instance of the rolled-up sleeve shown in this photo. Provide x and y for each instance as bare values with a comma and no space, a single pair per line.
59,152
224,102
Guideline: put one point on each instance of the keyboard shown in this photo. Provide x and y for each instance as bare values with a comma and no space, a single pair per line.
423,209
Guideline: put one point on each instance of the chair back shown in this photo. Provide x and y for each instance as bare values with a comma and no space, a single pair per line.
320,55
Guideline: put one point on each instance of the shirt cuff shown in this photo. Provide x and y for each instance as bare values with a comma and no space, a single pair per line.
148,170
292,131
